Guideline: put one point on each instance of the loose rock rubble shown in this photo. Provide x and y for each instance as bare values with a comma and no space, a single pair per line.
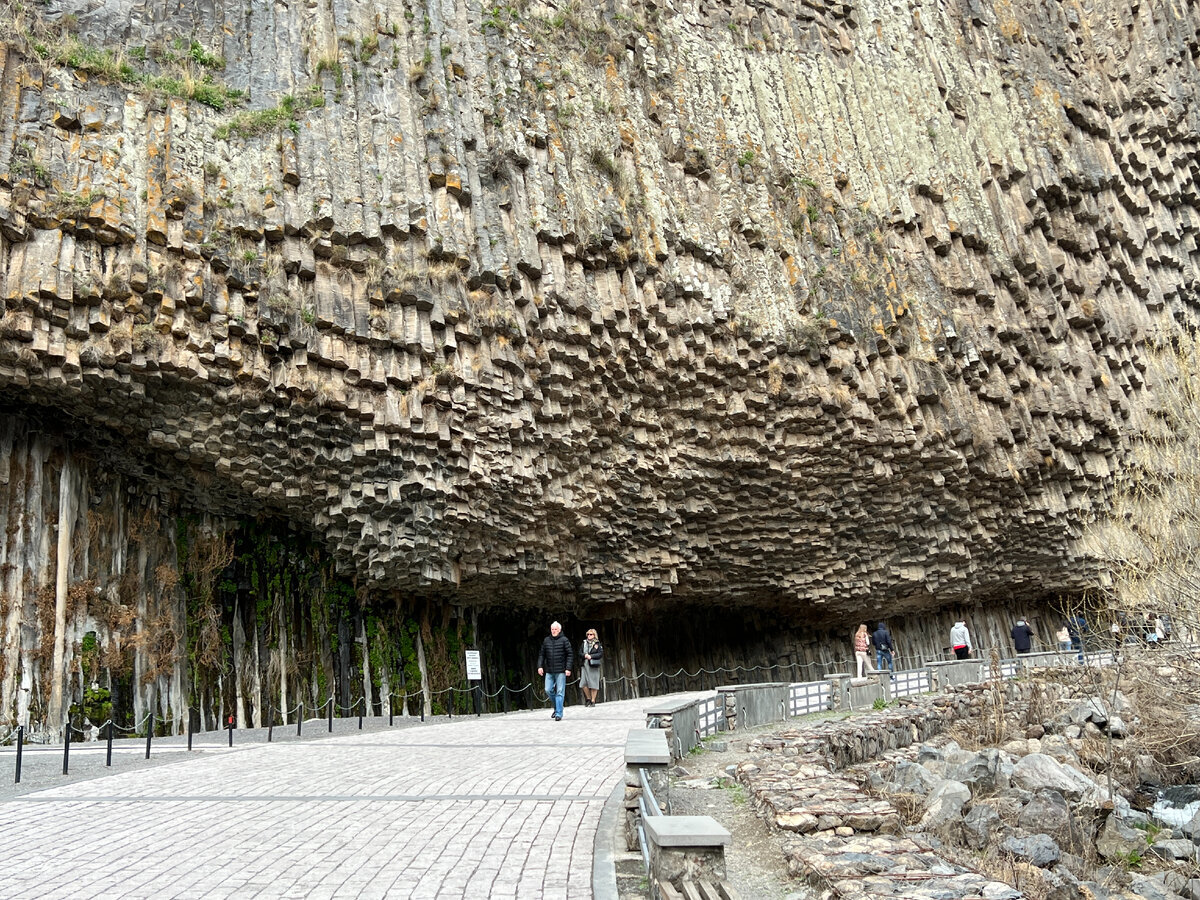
881,806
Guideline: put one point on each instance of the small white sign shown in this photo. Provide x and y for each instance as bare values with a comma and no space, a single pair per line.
474,673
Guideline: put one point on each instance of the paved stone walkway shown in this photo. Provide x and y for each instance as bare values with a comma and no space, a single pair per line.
497,807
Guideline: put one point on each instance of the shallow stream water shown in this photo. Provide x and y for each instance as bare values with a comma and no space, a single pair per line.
1176,806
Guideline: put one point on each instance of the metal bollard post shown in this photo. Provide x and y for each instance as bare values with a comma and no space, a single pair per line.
478,699
422,709
149,734
67,747
300,719
331,715
360,717
270,728
391,710
20,747
231,729
108,754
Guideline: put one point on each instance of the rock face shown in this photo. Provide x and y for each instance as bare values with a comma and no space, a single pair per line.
810,307
854,820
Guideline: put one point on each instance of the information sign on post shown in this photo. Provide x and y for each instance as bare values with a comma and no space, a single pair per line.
474,673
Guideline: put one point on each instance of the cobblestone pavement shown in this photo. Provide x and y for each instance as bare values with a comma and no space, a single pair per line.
499,806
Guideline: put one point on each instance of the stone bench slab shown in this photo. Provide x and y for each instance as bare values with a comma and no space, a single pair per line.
686,831
647,747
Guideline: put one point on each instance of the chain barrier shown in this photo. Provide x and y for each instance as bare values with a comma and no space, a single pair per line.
646,680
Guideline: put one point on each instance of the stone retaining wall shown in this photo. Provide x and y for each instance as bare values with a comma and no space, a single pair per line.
849,842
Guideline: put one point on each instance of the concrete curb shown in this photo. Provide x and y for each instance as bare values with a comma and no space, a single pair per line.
604,869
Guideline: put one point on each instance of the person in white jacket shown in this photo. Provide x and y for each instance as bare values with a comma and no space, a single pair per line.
960,640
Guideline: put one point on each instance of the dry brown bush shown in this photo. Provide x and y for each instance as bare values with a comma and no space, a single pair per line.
167,577
159,641
116,658
1001,865
119,608
128,588
142,526
79,596
207,556
1166,728
46,602
209,649
908,805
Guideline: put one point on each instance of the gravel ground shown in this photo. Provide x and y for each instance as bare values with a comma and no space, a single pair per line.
700,786
42,765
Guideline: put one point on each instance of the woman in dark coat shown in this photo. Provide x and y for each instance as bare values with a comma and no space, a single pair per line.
590,652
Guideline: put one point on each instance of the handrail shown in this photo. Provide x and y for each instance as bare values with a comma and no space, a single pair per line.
653,808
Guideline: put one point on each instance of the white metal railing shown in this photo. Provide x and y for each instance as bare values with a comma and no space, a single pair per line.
710,716
706,716
808,697
912,681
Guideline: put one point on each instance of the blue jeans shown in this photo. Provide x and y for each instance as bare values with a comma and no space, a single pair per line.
556,686
880,657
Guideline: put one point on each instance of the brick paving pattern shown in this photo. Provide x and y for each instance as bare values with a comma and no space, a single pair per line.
503,807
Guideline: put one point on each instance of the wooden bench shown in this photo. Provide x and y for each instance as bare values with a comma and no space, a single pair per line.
698,890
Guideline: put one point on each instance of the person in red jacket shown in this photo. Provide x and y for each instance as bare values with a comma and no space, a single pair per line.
862,643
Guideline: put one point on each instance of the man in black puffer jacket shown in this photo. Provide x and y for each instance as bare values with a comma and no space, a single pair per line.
555,660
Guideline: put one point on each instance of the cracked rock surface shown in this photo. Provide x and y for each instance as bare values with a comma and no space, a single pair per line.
779,304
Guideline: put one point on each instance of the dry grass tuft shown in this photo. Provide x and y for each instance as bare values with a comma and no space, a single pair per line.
909,806
1000,865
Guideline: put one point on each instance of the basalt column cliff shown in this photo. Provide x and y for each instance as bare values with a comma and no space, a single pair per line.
337,336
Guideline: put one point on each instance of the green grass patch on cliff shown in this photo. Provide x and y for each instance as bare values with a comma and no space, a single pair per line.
184,74
203,90
99,61
261,121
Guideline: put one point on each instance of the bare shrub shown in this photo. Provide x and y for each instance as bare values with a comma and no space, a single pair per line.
159,641
167,577
46,602
1001,865
116,659
78,596
142,526
909,806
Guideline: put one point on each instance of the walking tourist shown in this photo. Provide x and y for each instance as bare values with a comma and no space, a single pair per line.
884,648
1064,638
960,640
1077,626
555,660
591,652
1151,630
1022,636
862,641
